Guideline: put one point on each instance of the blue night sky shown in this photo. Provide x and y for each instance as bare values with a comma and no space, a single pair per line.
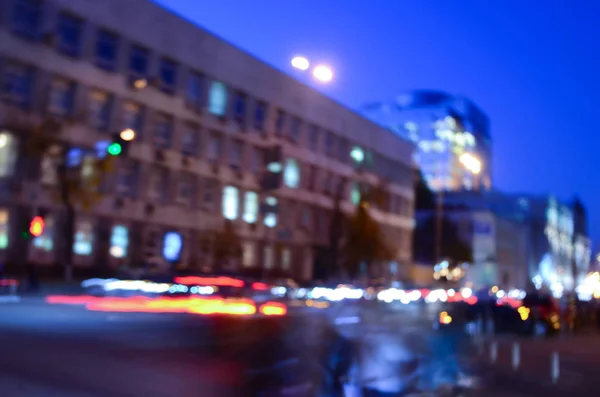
534,70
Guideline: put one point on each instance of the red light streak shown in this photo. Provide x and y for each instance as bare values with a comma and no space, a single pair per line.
260,286
219,281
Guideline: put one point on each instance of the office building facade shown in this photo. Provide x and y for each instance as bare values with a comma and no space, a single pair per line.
206,115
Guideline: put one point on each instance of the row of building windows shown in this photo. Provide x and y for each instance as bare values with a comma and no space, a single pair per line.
221,101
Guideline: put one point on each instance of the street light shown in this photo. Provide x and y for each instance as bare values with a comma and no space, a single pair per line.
323,73
127,135
301,63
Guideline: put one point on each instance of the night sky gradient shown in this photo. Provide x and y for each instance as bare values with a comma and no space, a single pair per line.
532,65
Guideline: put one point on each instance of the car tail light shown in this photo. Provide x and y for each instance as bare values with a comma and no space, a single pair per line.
273,309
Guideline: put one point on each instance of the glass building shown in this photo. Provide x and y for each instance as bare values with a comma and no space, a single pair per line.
444,128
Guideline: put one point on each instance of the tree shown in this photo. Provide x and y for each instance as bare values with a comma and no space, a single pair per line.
364,240
75,186
424,197
227,245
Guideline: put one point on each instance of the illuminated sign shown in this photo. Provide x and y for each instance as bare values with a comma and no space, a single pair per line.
172,245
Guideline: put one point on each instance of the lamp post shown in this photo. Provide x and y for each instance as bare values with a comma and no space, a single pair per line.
473,165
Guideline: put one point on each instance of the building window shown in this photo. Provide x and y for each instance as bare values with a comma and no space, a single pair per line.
26,18
186,189
248,254
100,106
291,173
355,193
329,144
286,259
119,241
163,131
306,216
217,99
8,154
168,75
213,147
190,140
279,122
62,95
295,129
239,107
235,153
4,228
259,115
250,207
132,117
268,257
209,191
106,50
313,138
157,189
45,242
194,89
16,84
69,35
84,237
172,246
230,202
312,178
343,150
126,178
256,161
138,60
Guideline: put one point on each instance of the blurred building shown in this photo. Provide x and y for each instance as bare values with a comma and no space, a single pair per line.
548,238
443,127
498,243
206,113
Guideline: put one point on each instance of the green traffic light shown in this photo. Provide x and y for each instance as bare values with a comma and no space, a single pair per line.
114,149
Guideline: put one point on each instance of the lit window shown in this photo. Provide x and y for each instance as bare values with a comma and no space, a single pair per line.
250,207
4,228
119,241
286,259
357,155
217,100
230,202
8,154
355,193
45,241
172,246
83,238
270,220
291,173
248,254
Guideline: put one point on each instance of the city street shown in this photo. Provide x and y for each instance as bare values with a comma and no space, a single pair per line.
64,351
578,358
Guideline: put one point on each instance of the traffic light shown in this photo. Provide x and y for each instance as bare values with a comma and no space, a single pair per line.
36,227
119,144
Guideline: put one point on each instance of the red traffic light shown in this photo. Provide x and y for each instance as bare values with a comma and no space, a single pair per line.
36,228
